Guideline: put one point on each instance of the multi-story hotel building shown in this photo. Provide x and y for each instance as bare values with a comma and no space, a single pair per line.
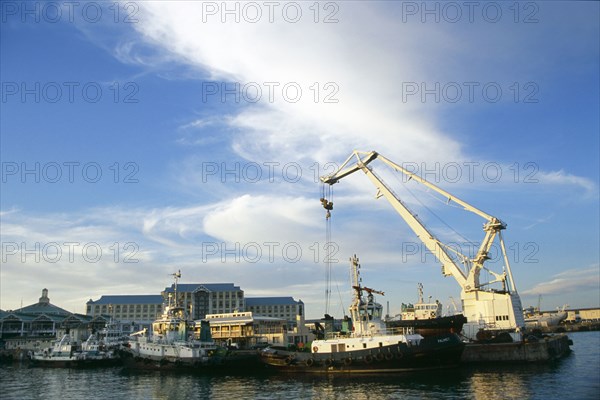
127,309
285,308
201,299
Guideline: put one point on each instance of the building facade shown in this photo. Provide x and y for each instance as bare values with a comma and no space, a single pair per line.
245,330
583,315
36,320
276,307
129,310
42,323
201,299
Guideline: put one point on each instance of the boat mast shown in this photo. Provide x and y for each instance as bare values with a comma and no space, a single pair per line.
176,276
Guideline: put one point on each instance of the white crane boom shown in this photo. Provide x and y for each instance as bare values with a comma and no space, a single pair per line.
481,304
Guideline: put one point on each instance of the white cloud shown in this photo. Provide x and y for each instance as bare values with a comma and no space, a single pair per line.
341,60
139,247
250,218
562,178
364,70
569,281
217,242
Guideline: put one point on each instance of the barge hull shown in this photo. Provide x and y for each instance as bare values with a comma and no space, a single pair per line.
431,353
545,349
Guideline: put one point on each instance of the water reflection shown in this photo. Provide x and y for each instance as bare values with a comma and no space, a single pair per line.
511,381
489,386
481,382
430,385
577,376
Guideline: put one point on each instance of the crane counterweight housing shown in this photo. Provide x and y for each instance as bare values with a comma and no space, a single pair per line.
488,311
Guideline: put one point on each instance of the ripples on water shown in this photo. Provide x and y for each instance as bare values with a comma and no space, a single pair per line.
575,377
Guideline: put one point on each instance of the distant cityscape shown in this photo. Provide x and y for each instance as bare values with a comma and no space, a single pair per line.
234,319
278,318
199,299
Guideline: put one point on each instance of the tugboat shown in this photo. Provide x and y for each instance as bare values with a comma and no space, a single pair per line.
171,345
112,336
368,346
65,354
426,318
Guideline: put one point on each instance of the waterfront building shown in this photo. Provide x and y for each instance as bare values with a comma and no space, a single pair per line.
589,314
38,319
43,306
245,330
131,312
292,311
583,315
201,299
27,343
40,323
276,307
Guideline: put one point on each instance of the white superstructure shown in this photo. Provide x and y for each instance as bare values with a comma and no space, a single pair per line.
368,328
171,340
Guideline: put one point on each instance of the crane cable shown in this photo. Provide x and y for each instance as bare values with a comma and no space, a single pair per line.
330,248
431,211
326,201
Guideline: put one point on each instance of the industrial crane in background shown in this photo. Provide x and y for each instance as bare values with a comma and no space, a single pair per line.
489,311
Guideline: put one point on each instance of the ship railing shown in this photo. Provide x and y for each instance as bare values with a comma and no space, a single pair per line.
400,330
389,331
337,335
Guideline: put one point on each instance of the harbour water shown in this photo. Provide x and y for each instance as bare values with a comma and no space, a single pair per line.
576,377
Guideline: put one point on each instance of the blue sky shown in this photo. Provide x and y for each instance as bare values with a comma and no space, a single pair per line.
138,146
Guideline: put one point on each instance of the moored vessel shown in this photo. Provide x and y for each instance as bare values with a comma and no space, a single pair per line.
66,354
426,318
368,346
171,344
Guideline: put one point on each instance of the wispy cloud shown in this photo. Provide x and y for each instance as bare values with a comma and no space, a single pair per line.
362,82
562,178
366,109
202,123
567,282
117,248
538,222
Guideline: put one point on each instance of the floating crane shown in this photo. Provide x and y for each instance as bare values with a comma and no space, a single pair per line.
488,311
